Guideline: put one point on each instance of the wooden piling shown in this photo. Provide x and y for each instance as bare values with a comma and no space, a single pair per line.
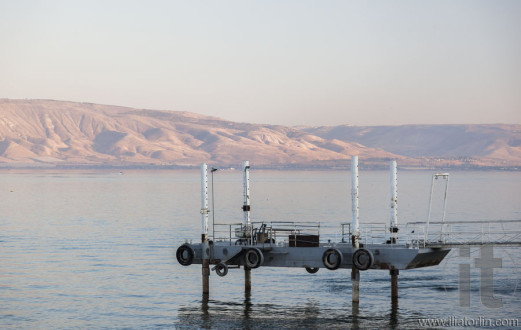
206,269
355,279
394,283
206,277
247,280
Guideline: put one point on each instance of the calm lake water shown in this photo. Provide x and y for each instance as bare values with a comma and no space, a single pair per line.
97,249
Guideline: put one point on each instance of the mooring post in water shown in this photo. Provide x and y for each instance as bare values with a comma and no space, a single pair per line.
247,280
355,273
394,283
204,229
246,219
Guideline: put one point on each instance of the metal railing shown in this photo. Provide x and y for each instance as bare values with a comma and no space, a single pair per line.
290,233
370,233
413,234
454,233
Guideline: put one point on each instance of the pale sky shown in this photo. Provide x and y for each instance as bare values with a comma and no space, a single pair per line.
273,62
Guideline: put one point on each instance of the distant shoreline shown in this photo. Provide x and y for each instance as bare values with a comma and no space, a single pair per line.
278,167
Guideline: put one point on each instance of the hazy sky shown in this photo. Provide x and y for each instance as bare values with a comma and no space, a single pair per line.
278,62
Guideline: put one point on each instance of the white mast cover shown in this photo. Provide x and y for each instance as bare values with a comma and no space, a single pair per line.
354,196
204,199
246,192
394,201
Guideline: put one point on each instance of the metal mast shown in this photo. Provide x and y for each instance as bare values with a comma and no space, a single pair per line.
204,231
204,202
394,203
355,273
354,201
246,193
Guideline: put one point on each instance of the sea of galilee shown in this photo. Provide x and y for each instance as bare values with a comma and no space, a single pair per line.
97,249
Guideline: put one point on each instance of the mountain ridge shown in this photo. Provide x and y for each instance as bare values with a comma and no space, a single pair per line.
84,133
63,133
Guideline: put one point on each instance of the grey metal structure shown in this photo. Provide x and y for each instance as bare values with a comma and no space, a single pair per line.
461,233
292,244
466,233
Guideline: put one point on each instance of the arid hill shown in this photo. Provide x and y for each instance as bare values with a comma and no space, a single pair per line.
68,133
485,145
49,133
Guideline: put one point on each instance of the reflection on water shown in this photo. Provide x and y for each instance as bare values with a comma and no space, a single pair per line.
309,315
393,321
355,309
247,304
98,250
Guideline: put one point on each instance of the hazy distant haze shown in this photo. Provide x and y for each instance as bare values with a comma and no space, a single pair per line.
276,62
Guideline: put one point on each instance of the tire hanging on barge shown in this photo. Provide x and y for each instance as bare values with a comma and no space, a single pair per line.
363,259
253,258
332,259
312,270
185,255
221,269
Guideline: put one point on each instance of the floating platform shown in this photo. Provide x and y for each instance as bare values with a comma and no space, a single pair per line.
290,244
251,245
297,244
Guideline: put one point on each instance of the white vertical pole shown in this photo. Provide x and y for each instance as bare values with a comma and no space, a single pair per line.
355,273
394,202
204,231
204,202
246,220
394,226
354,199
246,190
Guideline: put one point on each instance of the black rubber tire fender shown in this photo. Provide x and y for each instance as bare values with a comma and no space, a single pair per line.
221,269
312,270
363,259
185,255
253,258
332,264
